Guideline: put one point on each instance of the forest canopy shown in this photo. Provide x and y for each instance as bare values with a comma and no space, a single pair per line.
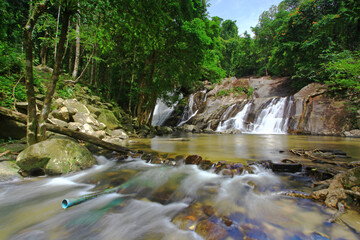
133,52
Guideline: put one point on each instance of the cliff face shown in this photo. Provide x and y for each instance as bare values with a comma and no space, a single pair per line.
272,108
315,113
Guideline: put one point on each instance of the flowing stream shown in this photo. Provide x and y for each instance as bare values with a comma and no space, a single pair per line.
177,202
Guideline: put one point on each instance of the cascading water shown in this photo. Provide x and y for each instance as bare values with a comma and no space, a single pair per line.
191,109
272,118
161,113
238,121
275,117
182,202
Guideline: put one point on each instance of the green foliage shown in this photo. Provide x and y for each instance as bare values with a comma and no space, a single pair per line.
11,64
6,91
343,70
236,90
222,92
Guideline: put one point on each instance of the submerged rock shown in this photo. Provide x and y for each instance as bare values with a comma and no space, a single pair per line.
210,230
55,156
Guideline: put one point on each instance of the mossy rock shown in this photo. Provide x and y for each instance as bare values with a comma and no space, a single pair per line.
108,118
55,156
9,171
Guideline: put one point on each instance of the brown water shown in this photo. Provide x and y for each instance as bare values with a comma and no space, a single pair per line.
243,147
183,202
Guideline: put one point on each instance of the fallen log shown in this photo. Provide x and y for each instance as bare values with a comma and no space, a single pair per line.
66,131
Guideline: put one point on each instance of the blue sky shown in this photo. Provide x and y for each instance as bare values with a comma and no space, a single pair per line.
245,12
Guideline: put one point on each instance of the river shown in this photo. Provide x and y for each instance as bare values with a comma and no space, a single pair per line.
182,202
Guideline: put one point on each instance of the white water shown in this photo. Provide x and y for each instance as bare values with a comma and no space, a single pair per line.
237,122
162,112
272,119
32,209
191,110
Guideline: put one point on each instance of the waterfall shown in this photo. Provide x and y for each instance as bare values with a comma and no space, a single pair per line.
191,109
274,118
161,113
271,118
237,122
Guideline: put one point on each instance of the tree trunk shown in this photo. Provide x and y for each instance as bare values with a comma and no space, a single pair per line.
56,34
77,50
65,131
32,123
56,73
43,52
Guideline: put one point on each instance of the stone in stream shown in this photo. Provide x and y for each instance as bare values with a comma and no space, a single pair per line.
210,230
55,156
280,167
193,159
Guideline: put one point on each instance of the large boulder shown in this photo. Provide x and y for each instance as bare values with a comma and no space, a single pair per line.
85,118
55,156
108,118
73,103
119,133
62,114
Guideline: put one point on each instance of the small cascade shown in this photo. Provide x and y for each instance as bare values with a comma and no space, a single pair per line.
161,113
275,117
238,121
271,118
192,108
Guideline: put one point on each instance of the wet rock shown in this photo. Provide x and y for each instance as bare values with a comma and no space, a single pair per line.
286,167
188,128
205,165
219,166
9,171
319,174
341,187
353,133
208,131
227,221
193,159
119,133
208,210
210,230
55,156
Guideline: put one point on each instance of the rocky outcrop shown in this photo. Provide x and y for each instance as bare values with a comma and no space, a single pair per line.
309,111
89,119
55,156
315,113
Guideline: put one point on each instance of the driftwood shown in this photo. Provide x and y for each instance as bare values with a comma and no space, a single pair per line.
65,131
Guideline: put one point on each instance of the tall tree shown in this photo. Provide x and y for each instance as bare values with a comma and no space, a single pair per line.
36,10
69,8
